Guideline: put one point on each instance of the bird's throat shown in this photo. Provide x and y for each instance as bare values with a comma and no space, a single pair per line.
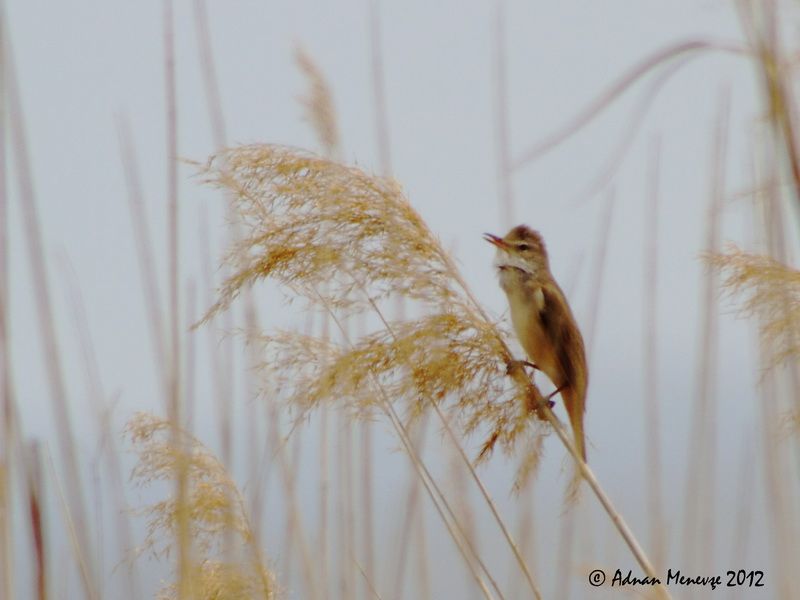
504,261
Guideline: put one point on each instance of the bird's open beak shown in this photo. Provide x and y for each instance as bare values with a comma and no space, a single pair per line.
497,241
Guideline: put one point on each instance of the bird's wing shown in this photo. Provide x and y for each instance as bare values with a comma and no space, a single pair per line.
560,327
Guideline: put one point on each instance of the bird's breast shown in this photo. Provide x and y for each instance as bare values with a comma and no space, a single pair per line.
526,302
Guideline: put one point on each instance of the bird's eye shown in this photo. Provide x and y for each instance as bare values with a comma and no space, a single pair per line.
523,247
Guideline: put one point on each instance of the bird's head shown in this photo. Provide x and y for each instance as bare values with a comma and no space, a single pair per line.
522,248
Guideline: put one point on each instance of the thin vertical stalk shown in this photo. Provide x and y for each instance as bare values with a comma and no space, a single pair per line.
295,527
209,70
173,239
365,495
325,481
7,406
220,375
6,511
782,119
384,145
256,508
367,535
598,273
417,431
776,490
174,408
462,504
701,481
501,125
190,358
379,89
746,496
221,353
109,447
780,507
779,94
346,498
525,527
423,578
566,539
324,499
58,391
744,509
144,249
651,416
33,471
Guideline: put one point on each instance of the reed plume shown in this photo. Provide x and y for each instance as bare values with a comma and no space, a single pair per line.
768,290
213,508
346,241
318,104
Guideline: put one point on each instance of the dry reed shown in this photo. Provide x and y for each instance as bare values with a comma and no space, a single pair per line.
213,510
309,221
767,290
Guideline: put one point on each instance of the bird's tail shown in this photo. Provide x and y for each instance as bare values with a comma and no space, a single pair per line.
575,403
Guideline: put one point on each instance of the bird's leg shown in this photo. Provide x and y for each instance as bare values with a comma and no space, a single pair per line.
560,388
513,364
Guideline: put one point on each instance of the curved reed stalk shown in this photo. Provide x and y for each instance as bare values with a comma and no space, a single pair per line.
616,89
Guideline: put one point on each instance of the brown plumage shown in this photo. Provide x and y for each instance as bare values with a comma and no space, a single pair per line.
543,320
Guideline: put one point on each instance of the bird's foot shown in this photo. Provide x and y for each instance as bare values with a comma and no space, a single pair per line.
539,406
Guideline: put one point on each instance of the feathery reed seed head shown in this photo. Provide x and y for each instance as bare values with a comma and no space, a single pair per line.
346,241
318,103
770,291
213,506
216,580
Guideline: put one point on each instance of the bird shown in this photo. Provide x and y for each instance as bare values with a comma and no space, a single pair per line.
543,321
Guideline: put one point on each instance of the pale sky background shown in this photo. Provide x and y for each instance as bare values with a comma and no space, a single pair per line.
83,63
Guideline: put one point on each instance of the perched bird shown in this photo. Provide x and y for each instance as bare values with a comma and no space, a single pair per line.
542,319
